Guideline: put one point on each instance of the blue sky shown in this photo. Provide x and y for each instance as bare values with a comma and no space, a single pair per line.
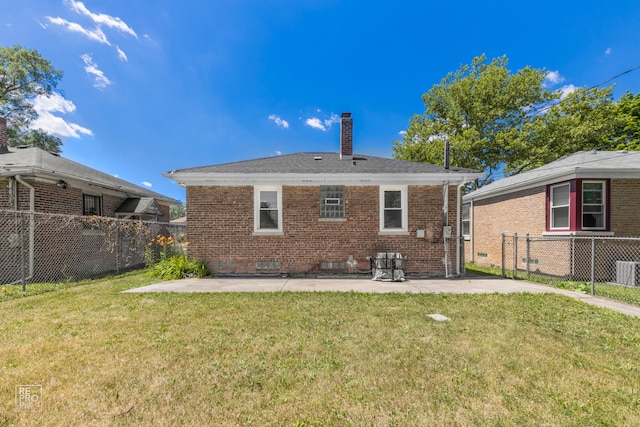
151,86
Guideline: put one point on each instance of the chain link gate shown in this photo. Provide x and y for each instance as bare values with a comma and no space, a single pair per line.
40,247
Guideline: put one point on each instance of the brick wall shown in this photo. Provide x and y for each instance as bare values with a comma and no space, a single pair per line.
220,229
625,207
521,212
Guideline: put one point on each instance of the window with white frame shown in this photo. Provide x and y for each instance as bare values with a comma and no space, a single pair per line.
593,208
393,209
559,206
332,201
268,209
466,219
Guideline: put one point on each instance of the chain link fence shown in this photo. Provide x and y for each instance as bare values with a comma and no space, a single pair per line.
40,247
605,266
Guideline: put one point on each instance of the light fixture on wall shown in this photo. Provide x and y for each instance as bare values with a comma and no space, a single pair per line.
62,184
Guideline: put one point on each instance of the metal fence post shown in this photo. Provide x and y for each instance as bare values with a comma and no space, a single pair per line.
528,253
593,264
23,267
503,257
515,255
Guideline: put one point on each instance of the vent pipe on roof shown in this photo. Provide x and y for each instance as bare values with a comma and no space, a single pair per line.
447,146
346,136
4,146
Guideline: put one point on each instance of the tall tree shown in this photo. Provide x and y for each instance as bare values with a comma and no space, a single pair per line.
24,75
497,120
628,137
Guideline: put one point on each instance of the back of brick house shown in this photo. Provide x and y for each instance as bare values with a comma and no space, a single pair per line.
375,205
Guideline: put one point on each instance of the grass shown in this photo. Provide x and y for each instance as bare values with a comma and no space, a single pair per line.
626,294
316,359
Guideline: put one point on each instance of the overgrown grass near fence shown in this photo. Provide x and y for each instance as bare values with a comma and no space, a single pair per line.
626,294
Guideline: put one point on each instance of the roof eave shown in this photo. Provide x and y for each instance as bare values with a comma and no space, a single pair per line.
240,179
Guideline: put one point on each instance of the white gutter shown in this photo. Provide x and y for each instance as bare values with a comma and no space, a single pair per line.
32,209
458,225
445,212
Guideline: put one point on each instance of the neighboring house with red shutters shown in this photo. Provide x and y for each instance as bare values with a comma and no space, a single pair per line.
323,213
584,194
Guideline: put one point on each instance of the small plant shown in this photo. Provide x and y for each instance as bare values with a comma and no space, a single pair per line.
167,259
178,267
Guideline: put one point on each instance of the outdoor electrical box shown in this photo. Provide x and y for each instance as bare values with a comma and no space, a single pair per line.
446,231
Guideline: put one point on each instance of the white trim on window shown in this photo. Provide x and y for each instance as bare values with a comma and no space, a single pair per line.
561,207
593,207
266,200
395,217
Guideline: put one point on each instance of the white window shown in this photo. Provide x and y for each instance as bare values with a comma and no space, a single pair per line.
394,215
593,208
267,209
559,207
466,219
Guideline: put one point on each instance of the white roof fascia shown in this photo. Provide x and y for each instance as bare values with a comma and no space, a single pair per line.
564,175
240,179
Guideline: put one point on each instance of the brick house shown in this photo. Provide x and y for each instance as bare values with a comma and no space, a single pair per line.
52,216
323,213
589,193
32,178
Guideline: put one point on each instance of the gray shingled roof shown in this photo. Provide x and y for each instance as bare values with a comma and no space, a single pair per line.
31,161
583,164
322,163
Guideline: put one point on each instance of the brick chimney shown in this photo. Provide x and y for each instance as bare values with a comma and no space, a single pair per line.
3,136
346,137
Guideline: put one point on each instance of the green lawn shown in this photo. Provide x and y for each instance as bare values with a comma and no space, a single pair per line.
307,359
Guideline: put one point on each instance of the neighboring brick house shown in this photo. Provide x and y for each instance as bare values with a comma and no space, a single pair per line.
322,213
52,211
52,184
587,193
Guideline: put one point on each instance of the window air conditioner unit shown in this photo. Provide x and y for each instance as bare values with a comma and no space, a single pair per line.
332,201
628,273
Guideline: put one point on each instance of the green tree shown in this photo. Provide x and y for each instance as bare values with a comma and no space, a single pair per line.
24,75
177,210
628,137
498,120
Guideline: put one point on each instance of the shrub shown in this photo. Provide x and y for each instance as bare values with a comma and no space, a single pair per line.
178,267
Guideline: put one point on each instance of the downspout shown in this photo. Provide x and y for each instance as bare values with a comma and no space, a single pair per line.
32,209
458,225
445,223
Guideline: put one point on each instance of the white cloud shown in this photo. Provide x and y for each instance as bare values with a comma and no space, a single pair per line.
315,123
52,124
121,55
552,78
320,124
278,121
402,132
96,34
566,90
101,81
147,184
334,119
608,51
101,18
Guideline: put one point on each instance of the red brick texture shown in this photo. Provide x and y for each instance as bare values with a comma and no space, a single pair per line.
221,225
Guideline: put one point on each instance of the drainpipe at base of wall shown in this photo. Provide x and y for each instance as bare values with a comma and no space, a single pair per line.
32,209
